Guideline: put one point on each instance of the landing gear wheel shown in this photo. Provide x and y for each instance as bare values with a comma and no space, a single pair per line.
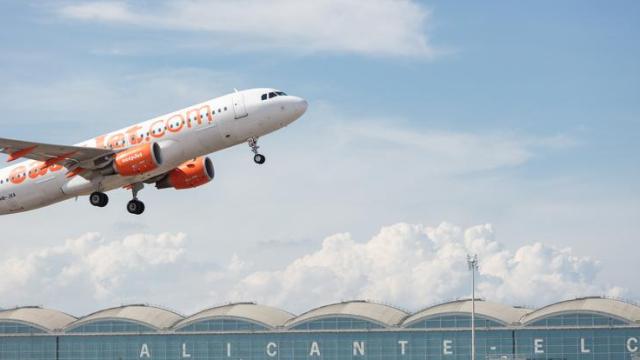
135,207
259,159
99,199
253,144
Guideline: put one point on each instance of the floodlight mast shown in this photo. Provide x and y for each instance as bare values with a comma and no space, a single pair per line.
472,262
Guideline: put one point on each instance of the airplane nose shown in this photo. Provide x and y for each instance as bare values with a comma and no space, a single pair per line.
303,106
300,106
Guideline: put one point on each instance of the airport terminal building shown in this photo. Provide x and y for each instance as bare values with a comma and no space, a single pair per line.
585,328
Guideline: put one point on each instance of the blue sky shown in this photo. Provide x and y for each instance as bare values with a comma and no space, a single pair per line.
522,116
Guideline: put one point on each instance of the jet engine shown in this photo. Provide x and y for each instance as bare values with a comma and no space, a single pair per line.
138,160
190,174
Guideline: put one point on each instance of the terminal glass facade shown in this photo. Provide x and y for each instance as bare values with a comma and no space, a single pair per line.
580,329
454,321
222,325
110,326
596,344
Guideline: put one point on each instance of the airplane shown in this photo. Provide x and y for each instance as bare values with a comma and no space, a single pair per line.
168,151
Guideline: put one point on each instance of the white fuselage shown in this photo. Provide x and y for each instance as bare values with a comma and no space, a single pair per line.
185,134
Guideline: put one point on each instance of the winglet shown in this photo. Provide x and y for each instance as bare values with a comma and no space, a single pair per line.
18,154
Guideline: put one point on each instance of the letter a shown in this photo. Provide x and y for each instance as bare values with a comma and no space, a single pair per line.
315,349
144,352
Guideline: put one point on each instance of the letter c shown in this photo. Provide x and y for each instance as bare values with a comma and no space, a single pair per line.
632,348
272,349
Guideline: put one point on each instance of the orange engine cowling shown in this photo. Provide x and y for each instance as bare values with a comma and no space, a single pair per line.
138,160
192,173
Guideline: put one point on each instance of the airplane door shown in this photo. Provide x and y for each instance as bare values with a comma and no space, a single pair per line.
239,109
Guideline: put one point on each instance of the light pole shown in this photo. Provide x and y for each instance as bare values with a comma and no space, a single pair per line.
472,262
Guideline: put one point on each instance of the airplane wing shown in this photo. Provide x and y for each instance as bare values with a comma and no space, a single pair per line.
49,153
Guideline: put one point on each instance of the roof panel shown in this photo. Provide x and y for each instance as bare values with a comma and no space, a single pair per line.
504,314
151,316
45,319
269,316
383,314
611,307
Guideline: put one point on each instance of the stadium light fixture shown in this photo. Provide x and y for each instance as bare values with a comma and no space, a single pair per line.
472,262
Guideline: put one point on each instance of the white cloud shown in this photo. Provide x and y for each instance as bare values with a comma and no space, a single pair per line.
99,10
415,265
88,268
381,27
407,265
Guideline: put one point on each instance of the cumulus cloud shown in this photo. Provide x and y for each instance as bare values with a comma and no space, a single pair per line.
404,264
414,265
88,268
381,27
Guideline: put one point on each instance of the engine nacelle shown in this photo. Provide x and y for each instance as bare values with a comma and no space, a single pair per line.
192,173
138,160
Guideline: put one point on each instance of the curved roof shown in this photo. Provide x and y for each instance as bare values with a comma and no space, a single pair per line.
268,316
151,316
45,319
608,307
501,313
383,314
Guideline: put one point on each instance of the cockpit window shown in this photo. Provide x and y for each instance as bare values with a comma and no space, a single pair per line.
272,95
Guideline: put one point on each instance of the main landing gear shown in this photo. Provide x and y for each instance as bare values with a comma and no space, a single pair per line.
136,206
257,158
99,199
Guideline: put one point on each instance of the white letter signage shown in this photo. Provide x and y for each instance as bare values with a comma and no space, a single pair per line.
272,349
315,349
402,343
144,352
537,346
447,347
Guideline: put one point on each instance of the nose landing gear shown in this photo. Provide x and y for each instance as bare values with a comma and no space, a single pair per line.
135,206
257,157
